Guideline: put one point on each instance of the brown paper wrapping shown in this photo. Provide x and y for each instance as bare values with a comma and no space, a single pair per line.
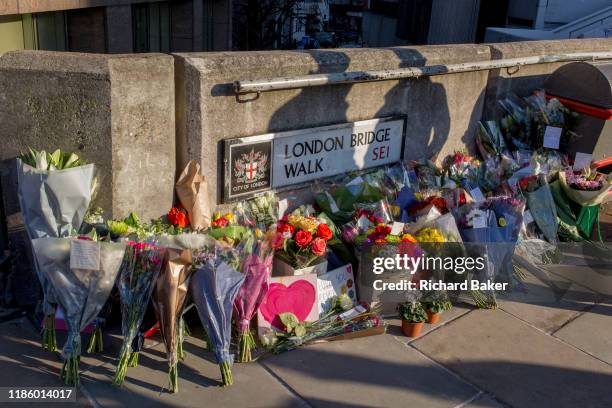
192,192
169,295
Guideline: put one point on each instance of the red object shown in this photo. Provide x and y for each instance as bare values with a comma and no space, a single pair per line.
603,163
152,331
285,227
318,246
177,217
324,232
303,238
590,110
220,222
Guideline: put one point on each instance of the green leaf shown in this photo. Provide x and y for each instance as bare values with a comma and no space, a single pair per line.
300,330
72,161
55,158
289,320
132,220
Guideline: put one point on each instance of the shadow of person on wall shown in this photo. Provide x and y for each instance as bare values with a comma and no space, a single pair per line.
424,105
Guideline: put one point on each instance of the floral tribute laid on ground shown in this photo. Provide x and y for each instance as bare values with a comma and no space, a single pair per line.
268,275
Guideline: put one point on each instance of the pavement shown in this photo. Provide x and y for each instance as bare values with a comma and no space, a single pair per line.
549,344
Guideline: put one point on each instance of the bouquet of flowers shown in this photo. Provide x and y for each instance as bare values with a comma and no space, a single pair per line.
139,270
518,124
256,269
82,273
342,319
370,214
550,113
422,207
214,287
460,166
546,161
341,253
491,230
541,204
586,187
260,211
490,141
301,241
338,201
54,191
169,297
224,227
405,184
428,176
578,196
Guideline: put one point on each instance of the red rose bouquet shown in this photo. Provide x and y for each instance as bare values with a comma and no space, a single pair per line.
300,241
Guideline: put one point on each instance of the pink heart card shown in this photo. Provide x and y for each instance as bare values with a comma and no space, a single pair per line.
295,294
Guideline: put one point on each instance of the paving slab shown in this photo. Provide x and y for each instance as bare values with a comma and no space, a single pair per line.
597,278
377,371
547,302
484,401
395,323
24,363
199,382
521,366
591,332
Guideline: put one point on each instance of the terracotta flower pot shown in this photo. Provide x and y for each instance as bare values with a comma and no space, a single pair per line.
411,329
433,318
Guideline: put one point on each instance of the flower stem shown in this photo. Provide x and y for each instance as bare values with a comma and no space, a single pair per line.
70,370
226,374
173,376
247,344
122,367
49,341
133,360
95,341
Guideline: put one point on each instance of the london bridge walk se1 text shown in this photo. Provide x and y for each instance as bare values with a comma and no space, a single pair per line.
316,146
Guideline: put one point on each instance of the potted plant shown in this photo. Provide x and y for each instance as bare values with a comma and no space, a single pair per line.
435,307
413,316
301,245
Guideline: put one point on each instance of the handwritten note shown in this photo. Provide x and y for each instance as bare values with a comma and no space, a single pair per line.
582,161
479,222
84,255
334,283
552,137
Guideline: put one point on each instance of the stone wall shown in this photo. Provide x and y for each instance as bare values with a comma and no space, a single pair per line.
441,112
114,111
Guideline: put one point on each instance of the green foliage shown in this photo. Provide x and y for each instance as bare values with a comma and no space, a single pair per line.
118,228
413,312
292,324
58,160
438,306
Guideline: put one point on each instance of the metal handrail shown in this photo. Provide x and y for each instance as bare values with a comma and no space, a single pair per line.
274,84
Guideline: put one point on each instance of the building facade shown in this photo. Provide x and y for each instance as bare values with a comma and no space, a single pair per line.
116,26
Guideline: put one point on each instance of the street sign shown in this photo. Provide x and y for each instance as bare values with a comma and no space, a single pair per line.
259,163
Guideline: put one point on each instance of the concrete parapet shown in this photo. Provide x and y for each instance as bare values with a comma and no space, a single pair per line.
441,111
116,111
